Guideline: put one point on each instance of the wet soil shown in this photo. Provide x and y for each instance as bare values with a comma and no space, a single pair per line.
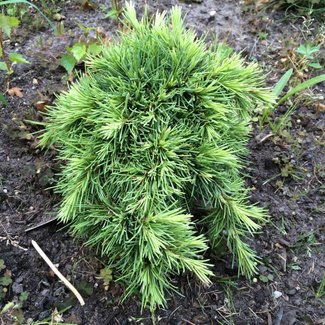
287,177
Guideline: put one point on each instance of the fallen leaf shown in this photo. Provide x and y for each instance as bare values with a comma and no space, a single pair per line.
50,272
41,104
39,164
56,316
320,108
15,91
58,17
101,32
87,5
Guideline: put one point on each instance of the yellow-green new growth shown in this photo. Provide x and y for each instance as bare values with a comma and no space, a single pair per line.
154,130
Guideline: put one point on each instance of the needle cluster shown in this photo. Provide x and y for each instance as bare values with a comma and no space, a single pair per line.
154,130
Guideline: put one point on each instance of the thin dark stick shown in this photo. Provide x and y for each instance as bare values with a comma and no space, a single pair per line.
42,224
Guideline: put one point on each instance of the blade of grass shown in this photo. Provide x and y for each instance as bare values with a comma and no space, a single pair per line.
278,88
321,290
304,85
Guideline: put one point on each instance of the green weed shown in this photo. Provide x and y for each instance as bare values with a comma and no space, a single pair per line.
5,279
86,46
321,289
305,242
303,7
10,2
282,121
7,23
115,11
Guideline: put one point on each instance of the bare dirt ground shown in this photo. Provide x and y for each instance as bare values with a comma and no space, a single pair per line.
287,176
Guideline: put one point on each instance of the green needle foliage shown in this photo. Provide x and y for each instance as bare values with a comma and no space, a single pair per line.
154,130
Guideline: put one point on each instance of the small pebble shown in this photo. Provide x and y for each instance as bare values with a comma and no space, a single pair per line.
277,294
17,288
292,292
44,314
297,301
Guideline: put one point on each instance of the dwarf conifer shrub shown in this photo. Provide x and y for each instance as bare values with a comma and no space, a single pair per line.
154,130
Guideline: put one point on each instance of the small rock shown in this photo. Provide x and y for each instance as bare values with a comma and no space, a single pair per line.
291,283
214,307
289,318
281,209
45,292
297,301
277,294
44,314
17,288
292,292
260,297
262,269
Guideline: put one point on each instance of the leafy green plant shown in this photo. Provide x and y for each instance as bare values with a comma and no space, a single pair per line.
77,54
86,46
154,131
308,54
9,2
5,279
7,23
106,276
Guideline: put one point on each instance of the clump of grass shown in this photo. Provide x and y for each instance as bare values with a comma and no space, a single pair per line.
314,7
154,130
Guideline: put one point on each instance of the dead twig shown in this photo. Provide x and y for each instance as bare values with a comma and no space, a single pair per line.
58,273
42,224
11,240
266,137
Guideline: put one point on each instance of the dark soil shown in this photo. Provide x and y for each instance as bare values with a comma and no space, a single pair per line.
287,178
